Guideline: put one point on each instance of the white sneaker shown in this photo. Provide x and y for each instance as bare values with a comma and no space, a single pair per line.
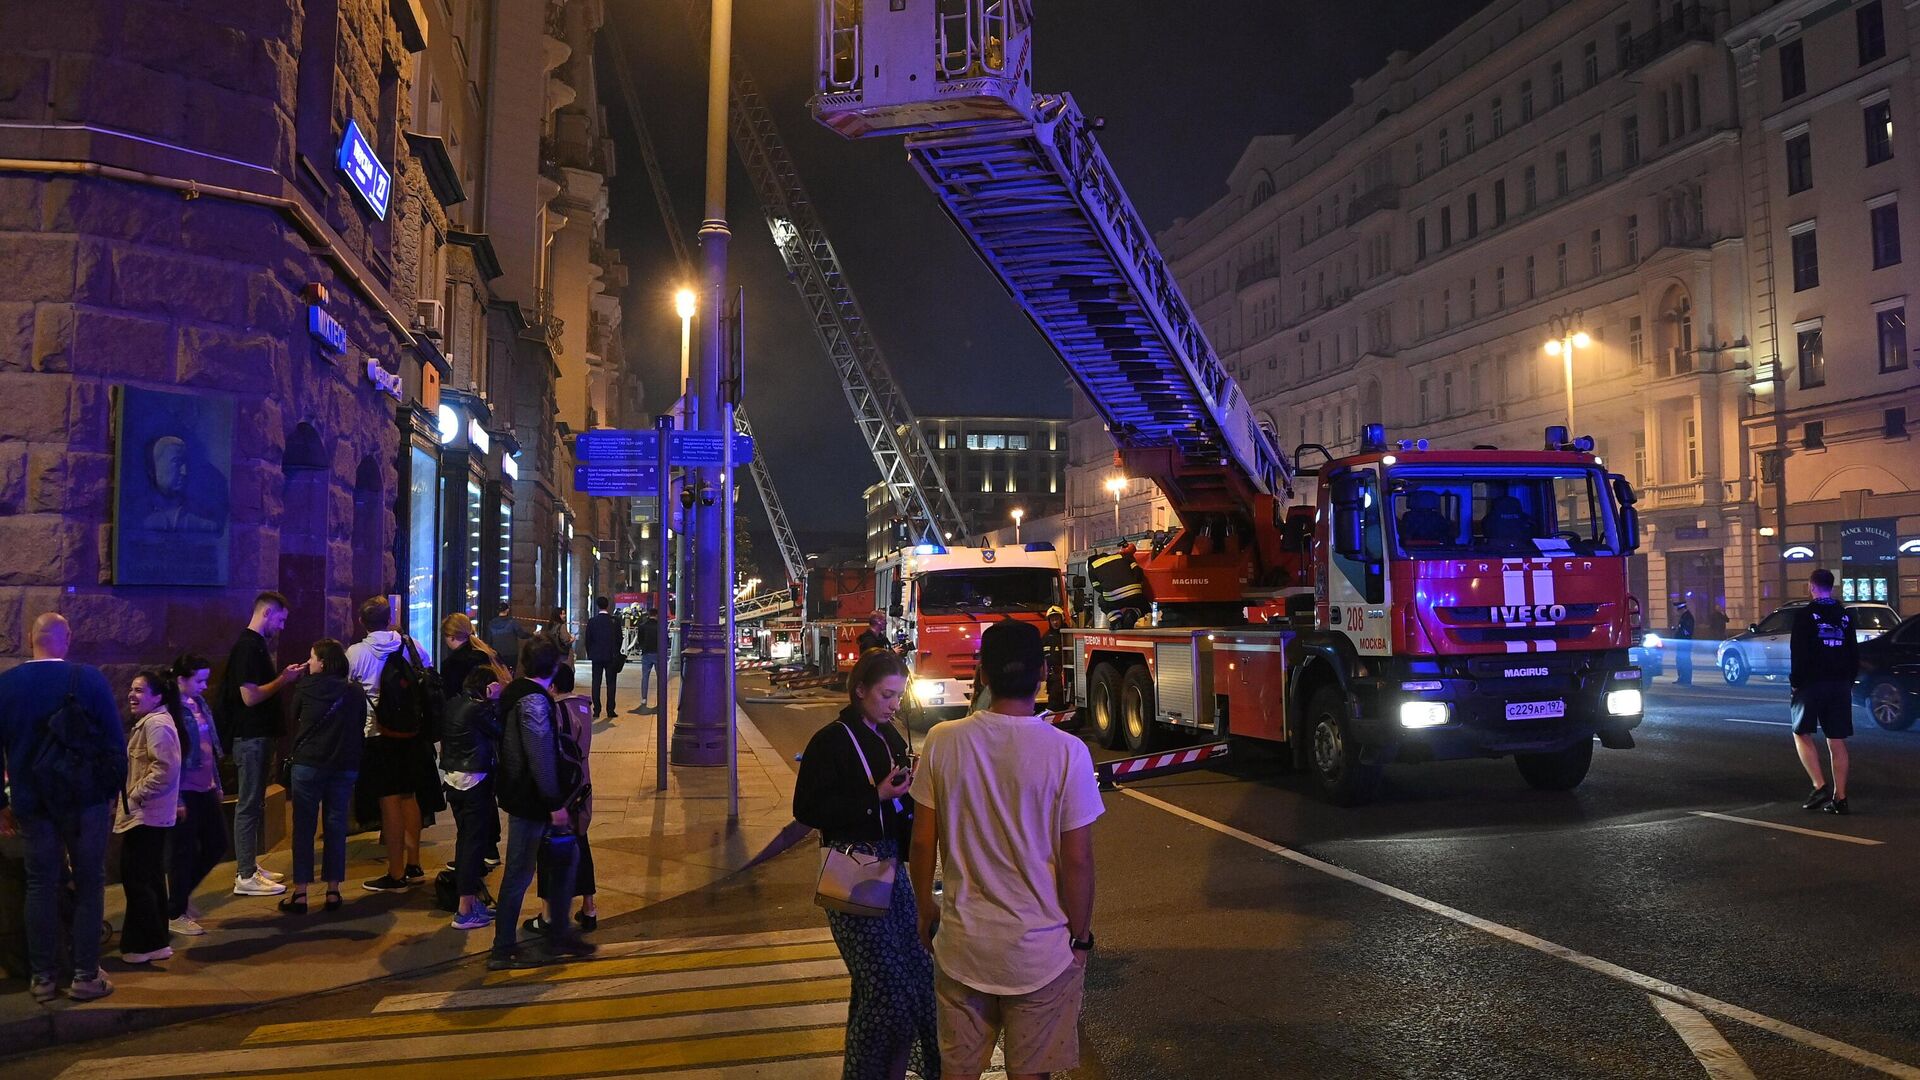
270,875
164,952
185,926
257,886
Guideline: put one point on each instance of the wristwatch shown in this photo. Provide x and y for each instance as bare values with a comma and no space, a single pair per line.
1084,944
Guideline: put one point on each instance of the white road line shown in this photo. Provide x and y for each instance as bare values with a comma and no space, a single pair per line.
492,997
1842,837
1767,723
486,1042
1649,984
1709,1047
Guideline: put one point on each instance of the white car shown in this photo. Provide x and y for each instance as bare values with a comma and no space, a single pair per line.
1763,649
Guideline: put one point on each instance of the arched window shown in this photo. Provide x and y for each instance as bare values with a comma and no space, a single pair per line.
1262,190
1674,355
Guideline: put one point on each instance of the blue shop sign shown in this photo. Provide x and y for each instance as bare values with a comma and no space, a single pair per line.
370,179
326,330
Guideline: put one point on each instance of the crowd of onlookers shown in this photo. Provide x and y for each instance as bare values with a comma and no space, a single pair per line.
361,734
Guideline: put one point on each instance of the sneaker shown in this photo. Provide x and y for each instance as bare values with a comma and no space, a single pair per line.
185,927
491,862
536,925
514,960
164,952
477,919
43,989
415,875
270,875
1838,806
387,883
257,886
1819,798
90,989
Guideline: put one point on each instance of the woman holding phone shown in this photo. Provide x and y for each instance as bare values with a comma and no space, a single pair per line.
852,787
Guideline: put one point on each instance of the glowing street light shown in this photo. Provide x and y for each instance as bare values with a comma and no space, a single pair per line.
1017,515
1566,338
1117,485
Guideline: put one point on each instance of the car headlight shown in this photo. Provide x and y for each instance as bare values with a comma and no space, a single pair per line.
1423,714
1651,641
1624,703
926,690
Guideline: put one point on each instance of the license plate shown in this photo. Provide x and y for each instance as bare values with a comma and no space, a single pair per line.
1535,710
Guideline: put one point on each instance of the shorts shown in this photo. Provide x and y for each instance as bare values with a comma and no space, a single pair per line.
1828,706
1042,1028
391,766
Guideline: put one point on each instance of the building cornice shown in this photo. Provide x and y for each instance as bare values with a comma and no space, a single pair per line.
1778,23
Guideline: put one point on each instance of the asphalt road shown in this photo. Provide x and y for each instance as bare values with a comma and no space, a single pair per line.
1465,925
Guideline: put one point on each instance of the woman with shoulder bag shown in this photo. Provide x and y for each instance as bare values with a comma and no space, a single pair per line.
199,842
852,787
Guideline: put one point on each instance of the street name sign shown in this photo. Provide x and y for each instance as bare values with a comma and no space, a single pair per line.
623,479
686,448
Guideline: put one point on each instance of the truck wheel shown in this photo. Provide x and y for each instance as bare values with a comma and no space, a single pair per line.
1888,704
1561,770
1103,700
1334,754
1137,722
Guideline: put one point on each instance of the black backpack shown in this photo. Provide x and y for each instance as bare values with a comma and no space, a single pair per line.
91,769
410,694
571,766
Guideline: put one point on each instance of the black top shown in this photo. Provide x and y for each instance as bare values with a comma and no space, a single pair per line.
603,639
250,663
457,665
1823,646
1683,628
832,793
649,634
332,714
471,735
527,782
870,640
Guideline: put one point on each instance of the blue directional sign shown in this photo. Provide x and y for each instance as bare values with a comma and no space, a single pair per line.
698,448
622,479
686,448
371,180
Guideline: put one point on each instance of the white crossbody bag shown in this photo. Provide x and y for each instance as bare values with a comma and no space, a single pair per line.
855,882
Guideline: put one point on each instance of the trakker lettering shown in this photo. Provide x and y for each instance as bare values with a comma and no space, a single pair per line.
1530,613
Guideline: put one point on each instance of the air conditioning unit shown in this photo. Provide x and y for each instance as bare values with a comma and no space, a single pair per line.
430,318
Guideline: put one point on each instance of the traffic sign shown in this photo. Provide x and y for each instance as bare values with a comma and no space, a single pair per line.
698,448
616,479
632,446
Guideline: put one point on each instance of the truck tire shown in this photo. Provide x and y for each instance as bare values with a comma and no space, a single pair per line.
1561,770
1333,754
1138,725
1103,701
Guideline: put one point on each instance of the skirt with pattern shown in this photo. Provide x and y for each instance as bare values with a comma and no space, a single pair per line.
892,1006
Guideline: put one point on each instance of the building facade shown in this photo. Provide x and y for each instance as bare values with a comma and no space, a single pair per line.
1617,169
992,465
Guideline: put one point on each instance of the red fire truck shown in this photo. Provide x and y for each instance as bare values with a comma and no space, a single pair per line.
939,601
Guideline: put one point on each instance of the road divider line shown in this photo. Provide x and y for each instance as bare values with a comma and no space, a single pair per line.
1646,983
1842,837
1767,723
1709,1047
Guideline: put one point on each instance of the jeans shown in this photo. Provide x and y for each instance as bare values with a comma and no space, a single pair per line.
54,844
647,662
524,852
195,847
612,675
313,789
251,758
476,825
143,877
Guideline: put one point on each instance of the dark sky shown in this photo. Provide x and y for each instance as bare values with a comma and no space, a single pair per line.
1183,87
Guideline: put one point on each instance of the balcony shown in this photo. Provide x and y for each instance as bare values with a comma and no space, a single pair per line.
1686,25
1688,494
1373,201
1255,272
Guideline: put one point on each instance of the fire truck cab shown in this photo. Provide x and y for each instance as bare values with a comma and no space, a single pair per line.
938,602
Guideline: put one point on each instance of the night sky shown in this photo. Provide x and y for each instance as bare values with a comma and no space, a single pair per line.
1183,86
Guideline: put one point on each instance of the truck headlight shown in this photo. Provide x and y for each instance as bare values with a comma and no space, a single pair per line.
1623,703
928,691
1423,714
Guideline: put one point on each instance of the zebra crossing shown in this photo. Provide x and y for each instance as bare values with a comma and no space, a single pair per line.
732,1007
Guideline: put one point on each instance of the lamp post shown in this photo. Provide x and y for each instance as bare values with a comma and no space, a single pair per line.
1116,485
684,305
1567,336
1017,515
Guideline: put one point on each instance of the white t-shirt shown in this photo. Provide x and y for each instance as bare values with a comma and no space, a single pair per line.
1005,788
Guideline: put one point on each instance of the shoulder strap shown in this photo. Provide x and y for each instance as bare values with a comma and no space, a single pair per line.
856,749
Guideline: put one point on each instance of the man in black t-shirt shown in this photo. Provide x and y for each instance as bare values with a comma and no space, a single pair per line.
1825,662
251,722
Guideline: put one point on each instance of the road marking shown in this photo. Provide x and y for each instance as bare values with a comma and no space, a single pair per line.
1709,1047
1768,723
1842,837
1649,984
584,989
648,965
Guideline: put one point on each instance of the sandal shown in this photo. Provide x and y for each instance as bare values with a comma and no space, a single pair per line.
587,922
333,899
294,904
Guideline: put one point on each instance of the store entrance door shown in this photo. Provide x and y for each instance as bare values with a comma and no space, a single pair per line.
1699,578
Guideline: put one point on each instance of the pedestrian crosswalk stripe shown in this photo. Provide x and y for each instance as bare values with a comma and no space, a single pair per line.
500,996
646,965
599,1060
670,1003
817,1068
658,946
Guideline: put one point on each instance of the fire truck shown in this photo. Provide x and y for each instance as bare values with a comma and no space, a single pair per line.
938,602
1421,603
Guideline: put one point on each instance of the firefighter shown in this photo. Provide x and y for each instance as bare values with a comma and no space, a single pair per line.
875,635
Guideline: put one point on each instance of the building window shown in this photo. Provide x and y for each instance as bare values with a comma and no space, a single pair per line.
1806,258
1871,26
1893,423
1878,119
1446,227
1499,202
1629,142
1891,325
1426,399
1799,163
1636,341
1419,239
1590,64
1499,119
1557,83
1526,100
1884,223
1666,119
1446,154
313,120
1560,265
1529,188
1529,276
1499,288
1814,435
1473,298
1693,103
1560,172
1622,44
1446,394
1640,459
1446,308
1596,159
1466,132
1813,357
1633,239
1473,215
1690,445
1593,253
1793,70
1419,161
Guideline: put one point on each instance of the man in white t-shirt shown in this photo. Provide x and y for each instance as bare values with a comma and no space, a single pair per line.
1010,803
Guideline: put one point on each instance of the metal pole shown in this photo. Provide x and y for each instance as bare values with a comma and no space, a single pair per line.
700,731
1566,354
663,429
733,639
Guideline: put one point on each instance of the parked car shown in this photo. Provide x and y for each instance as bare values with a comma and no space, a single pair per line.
1763,649
1889,683
1650,656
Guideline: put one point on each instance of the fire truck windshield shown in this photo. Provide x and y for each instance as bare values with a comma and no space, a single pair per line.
1448,513
1010,589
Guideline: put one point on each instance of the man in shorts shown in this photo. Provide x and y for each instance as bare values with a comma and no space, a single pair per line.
1825,662
1009,803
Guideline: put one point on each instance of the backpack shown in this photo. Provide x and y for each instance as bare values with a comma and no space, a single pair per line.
410,695
446,891
91,770
571,765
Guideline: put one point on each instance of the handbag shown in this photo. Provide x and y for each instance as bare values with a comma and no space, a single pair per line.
855,882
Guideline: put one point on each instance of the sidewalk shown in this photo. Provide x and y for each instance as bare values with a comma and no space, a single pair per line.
648,847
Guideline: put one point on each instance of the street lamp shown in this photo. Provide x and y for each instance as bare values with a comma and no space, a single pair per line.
1116,485
1566,338
684,306
1017,515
